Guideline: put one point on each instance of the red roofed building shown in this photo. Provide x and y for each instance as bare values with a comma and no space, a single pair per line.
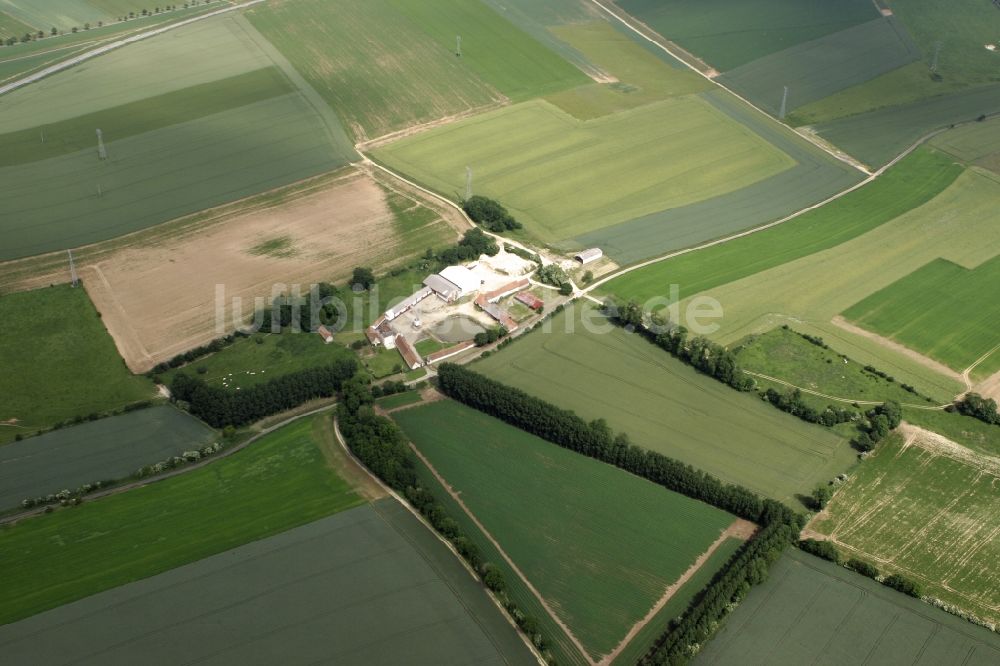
450,351
497,312
325,333
409,354
506,290
530,300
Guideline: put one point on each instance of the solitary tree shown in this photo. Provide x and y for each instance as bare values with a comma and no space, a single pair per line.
364,277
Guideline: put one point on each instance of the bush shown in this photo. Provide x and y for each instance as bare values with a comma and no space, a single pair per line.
862,567
902,584
823,549
490,214
978,407
552,274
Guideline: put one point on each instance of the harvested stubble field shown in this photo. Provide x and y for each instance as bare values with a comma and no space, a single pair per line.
562,177
104,450
729,33
369,585
666,406
819,68
810,292
600,545
157,289
58,362
406,72
279,482
925,507
203,146
943,310
812,611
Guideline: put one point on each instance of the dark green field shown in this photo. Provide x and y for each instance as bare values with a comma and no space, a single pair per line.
943,310
279,482
103,450
58,362
729,33
913,182
812,611
599,544
370,585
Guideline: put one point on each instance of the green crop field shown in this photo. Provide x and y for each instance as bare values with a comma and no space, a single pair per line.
279,482
602,548
878,136
260,357
641,77
784,354
913,182
943,310
812,611
562,177
983,438
927,508
819,68
811,291
58,362
44,14
105,450
975,143
205,136
368,585
815,177
668,407
11,27
399,400
405,72
729,33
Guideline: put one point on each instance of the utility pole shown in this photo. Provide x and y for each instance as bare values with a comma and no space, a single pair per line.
458,45
468,183
784,104
934,60
72,268
102,152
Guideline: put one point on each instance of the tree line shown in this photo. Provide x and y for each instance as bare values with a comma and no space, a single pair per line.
978,407
828,551
220,407
383,448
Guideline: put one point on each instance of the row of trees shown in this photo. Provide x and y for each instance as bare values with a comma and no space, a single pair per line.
792,402
978,407
490,214
828,551
596,439
473,244
699,352
383,448
220,407
198,352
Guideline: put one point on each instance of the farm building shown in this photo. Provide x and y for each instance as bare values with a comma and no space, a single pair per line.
453,283
530,300
407,303
506,290
450,351
497,312
588,256
409,354
381,333
325,333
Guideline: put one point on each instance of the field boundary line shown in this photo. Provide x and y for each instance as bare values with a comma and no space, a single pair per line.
83,57
392,493
838,155
204,462
833,397
738,529
496,544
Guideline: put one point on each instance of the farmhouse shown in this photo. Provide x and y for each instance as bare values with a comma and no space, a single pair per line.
587,256
381,333
409,354
506,290
450,351
325,333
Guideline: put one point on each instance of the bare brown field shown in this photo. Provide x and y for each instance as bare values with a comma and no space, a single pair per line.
156,290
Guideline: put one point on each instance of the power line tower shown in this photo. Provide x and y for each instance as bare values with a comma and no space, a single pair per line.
72,269
458,45
468,183
784,104
102,152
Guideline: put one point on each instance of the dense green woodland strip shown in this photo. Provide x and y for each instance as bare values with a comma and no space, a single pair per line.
913,182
